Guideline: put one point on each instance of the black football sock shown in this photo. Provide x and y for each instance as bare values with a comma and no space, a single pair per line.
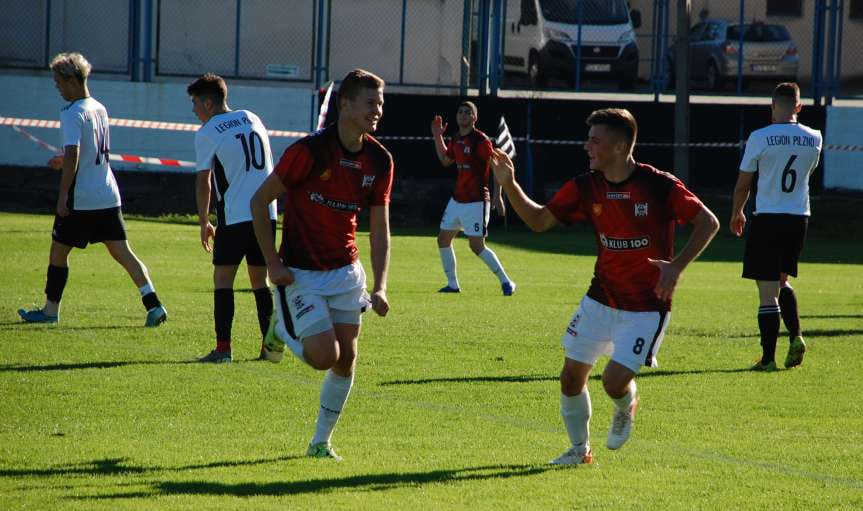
264,303
768,325
788,306
56,282
223,313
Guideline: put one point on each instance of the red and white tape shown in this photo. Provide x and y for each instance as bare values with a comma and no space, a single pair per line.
126,158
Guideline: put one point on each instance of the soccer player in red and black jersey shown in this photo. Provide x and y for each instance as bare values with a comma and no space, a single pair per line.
468,209
633,208
326,179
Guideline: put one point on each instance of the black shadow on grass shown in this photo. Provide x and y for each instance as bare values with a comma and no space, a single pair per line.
113,466
550,378
830,333
44,326
831,316
19,368
371,482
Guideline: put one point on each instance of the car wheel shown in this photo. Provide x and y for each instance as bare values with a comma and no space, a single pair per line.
535,73
714,79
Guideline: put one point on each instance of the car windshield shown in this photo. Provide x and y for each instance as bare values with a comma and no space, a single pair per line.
589,12
759,33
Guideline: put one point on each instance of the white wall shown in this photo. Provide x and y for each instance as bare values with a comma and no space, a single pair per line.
844,169
34,97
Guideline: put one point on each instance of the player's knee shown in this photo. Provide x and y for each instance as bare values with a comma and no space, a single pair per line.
477,245
569,384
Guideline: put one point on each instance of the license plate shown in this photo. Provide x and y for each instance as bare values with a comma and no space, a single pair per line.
597,68
763,68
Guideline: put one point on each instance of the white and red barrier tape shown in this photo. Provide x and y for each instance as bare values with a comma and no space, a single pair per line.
179,126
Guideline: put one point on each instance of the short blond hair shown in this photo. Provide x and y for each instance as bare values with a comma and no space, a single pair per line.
69,65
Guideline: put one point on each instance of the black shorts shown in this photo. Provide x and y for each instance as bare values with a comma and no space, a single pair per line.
773,246
235,241
89,226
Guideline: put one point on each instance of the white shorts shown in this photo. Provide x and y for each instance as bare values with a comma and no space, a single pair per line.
470,217
318,299
631,338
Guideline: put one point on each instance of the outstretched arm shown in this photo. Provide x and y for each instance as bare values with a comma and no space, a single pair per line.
438,127
537,217
705,226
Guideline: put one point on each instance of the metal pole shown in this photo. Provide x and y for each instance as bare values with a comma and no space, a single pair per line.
482,41
495,54
47,32
319,64
148,41
465,49
237,41
831,54
681,107
578,48
402,49
837,79
817,51
528,156
740,49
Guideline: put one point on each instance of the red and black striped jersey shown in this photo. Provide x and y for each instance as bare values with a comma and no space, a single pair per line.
471,154
326,187
633,221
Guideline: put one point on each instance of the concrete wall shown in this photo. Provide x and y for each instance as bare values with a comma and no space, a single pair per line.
34,97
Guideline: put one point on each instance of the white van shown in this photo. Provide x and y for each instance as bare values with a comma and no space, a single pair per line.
542,40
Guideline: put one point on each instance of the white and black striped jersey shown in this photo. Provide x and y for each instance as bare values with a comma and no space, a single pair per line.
784,155
84,123
236,148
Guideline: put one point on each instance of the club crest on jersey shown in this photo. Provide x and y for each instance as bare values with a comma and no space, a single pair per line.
641,209
326,175
597,209
368,180
344,162
617,195
466,149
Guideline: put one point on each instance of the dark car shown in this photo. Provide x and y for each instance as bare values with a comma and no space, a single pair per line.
769,53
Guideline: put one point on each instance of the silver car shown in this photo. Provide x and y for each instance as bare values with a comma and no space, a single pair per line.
714,49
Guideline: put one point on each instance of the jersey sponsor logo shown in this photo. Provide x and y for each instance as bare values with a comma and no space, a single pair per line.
350,207
344,162
597,209
326,175
617,195
641,209
368,180
624,243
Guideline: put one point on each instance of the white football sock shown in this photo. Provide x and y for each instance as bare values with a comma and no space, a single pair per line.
447,258
490,259
51,308
334,394
147,289
623,403
576,412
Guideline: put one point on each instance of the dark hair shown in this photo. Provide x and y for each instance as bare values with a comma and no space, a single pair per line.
618,120
211,85
356,80
787,93
471,105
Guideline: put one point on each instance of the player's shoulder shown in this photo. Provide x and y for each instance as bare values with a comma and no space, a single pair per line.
378,152
479,135
653,173
810,131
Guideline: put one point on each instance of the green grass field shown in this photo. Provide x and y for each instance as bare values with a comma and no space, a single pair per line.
456,398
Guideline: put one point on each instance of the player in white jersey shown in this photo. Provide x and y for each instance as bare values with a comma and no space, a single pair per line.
88,205
233,158
784,154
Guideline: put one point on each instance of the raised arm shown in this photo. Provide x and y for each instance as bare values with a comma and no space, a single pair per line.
537,217
438,127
